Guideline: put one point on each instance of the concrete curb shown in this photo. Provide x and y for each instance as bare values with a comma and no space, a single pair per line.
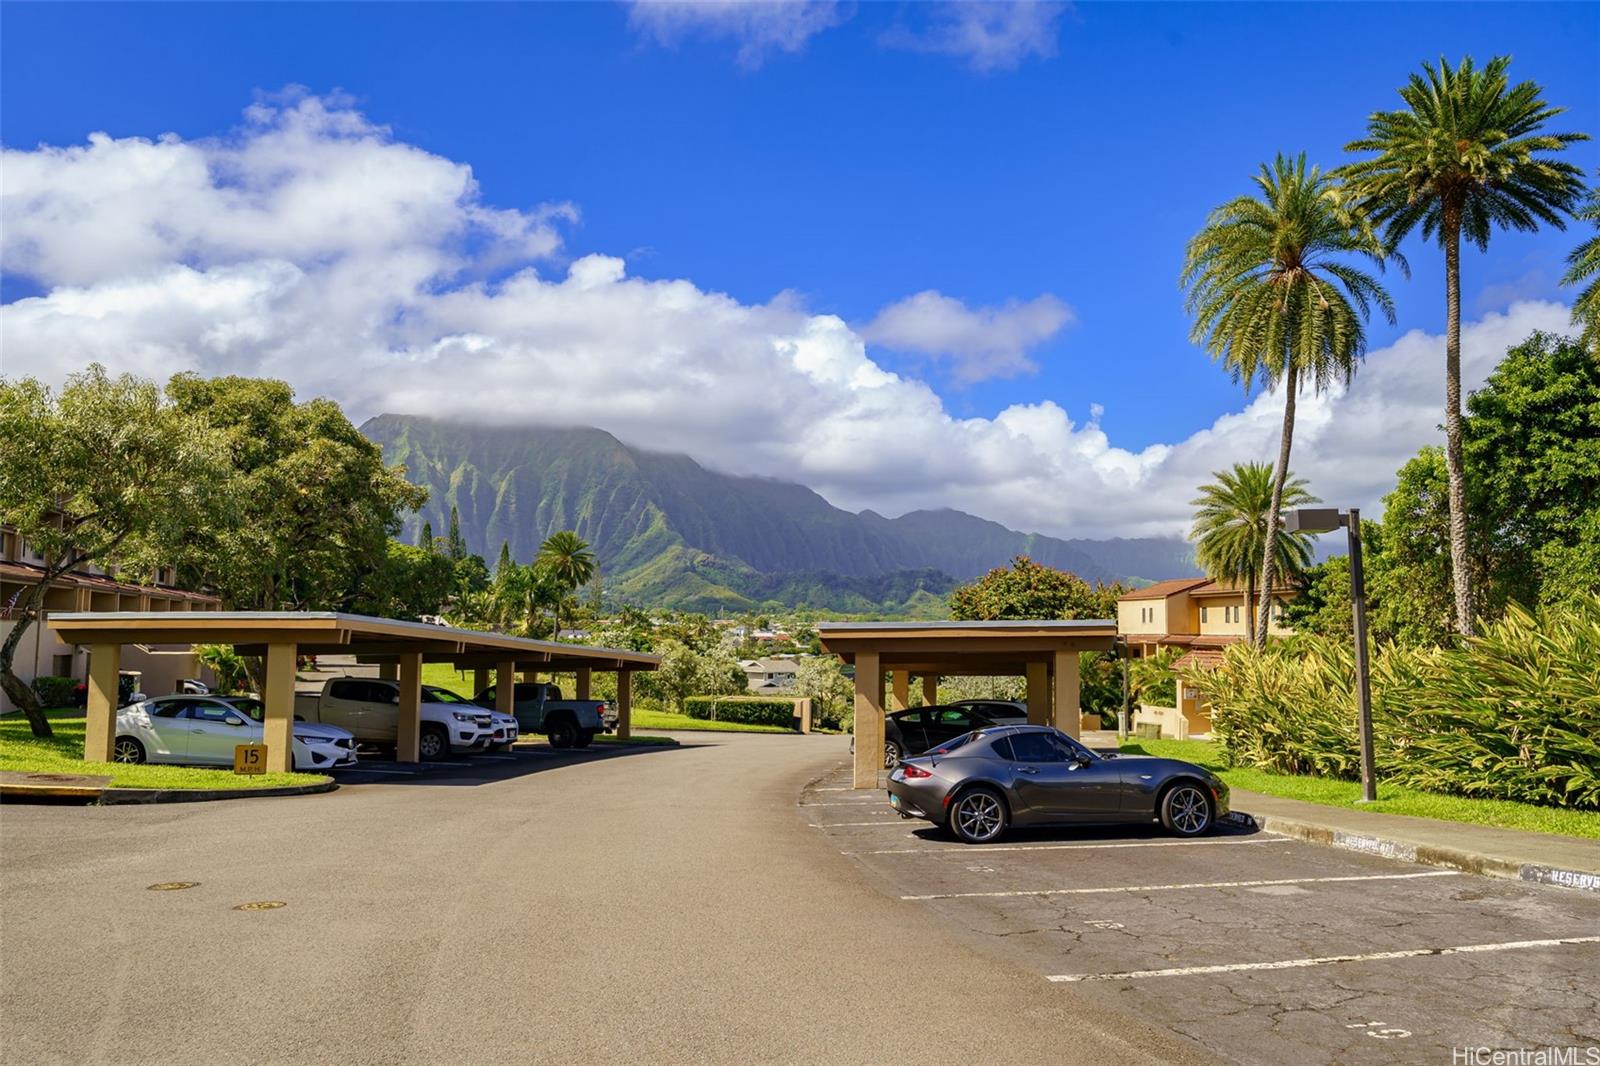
1426,854
113,796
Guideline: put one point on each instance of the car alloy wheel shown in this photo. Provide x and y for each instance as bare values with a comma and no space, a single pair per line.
127,750
891,755
431,745
1188,810
979,817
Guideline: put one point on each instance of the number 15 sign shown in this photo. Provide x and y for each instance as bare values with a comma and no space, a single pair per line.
250,759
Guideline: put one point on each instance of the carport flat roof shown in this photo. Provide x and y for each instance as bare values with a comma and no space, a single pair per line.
332,632
994,647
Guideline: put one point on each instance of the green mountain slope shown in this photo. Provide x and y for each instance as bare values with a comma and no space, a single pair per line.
669,532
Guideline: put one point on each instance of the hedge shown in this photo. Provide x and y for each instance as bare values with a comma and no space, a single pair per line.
1512,714
54,691
749,710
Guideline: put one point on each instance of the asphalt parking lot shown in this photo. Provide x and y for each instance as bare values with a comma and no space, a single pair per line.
377,768
1257,947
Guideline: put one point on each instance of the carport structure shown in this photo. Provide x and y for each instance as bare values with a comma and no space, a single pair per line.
1044,652
281,637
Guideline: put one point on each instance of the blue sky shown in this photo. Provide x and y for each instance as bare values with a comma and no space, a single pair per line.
868,164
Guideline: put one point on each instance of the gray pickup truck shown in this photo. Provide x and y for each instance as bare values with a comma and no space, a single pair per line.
540,709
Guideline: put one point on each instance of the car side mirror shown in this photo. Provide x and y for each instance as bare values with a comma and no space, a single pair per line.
235,721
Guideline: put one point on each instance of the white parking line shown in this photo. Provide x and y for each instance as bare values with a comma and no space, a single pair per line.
837,825
497,758
1296,964
1193,884
847,803
980,850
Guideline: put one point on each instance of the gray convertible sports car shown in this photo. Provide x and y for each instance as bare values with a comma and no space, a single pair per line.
979,784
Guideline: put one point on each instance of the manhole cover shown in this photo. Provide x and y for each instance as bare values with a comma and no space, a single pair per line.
172,886
261,905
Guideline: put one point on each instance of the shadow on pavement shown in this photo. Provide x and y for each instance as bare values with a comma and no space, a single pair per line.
490,767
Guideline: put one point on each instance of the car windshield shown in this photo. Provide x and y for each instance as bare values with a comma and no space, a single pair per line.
442,695
252,707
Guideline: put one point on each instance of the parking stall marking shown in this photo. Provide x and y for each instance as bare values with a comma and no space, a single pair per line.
965,850
1190,885
1326,960
839,825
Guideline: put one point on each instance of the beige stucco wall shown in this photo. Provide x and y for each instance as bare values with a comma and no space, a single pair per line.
1130,620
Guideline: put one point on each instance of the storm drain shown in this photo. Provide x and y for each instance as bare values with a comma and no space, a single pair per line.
261,905
171,886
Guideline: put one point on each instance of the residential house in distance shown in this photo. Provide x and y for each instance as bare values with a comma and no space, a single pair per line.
40,654
771,674
1199,616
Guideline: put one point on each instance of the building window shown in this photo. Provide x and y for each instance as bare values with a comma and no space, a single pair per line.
1202,614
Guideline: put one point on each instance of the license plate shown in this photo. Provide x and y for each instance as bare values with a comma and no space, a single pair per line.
894,801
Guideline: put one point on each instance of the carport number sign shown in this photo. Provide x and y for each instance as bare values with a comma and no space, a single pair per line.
250,758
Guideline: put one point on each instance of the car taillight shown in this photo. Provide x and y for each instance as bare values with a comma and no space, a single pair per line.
913,773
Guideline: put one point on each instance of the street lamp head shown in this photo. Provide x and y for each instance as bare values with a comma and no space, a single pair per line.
1313,520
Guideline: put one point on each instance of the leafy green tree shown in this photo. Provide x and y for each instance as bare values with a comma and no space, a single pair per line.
504,563
1466,155
1532,449
566,560
105,473
676,678
822,680
720,673
1230,529
1027,589
317,505
409,583
1151,680
1276,298
425,539
1584,264
1410,582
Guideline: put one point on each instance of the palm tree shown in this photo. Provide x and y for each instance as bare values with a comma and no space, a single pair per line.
1230,529
1277,299
1465,156
566,559
1584,262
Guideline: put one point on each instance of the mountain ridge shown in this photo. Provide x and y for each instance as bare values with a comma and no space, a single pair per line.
669,532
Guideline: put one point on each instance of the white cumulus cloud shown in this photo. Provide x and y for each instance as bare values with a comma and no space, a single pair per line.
312,246
978,343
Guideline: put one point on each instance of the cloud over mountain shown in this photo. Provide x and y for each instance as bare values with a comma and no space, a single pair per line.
312,245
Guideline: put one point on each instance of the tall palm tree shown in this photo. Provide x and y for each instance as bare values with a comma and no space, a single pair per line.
1465,156
1230,529
1584,262
566,559
1276,298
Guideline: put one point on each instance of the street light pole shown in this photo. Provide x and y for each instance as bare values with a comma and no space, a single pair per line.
1326,520
1122,713
1358,611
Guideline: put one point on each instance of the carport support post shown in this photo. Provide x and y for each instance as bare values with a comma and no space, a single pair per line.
408,727
1039,693
624,704
580,683
277,728
480,680
505,687
868,719
930,689
100,722
1067,702
900,698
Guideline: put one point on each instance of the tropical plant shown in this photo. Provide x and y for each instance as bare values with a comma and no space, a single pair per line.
1276,299
1151,680
1465,156
1584,263
225,664
565,559
1230,530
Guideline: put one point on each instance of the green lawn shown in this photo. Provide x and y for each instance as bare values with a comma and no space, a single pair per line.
1392,799
62,753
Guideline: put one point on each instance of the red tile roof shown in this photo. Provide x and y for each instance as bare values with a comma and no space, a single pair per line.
1204,658
30,573
1162,589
